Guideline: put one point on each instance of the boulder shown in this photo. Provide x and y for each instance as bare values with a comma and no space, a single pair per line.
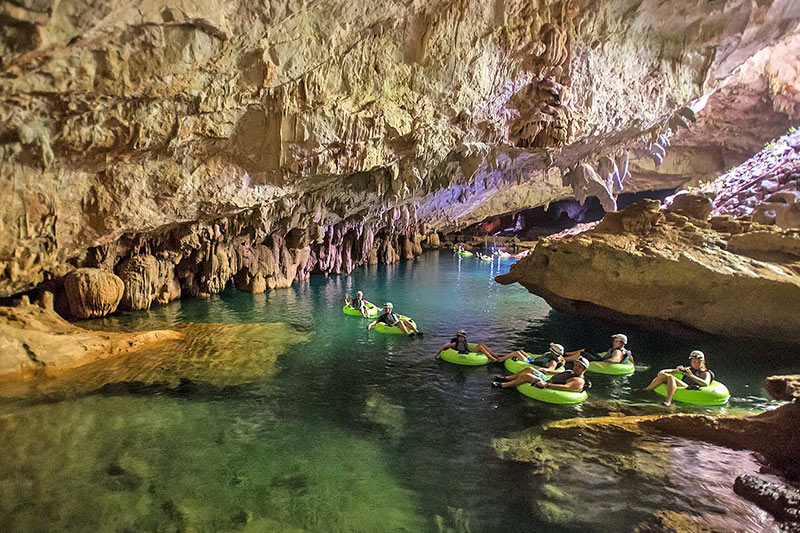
638,267
785,388
92,292
691,205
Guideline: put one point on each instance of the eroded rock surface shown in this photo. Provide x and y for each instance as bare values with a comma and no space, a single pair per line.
92,292
655,267
261,142
37,342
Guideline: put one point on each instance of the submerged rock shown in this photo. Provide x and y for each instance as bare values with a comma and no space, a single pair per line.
782,501
643,266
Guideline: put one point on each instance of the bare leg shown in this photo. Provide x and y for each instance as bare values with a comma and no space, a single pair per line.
410,325
518,355
658,380
401,324
673,384
488,351
482,349
521,380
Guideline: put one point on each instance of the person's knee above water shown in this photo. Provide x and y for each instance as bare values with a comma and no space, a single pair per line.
618,353
693,377
390,318
569,380
459,343
548,361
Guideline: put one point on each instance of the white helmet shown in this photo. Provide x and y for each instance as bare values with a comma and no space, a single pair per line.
697,354
389,305
621,337
557,349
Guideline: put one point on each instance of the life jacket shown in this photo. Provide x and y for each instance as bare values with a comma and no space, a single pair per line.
626,354
357,304
390,319
460,346
692,383
544,359
564,377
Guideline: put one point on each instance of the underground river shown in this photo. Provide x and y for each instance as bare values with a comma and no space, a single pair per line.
320,425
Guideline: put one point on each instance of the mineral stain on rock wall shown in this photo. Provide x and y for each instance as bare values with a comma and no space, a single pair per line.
177,147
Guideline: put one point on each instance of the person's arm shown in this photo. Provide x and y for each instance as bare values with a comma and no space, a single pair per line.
550,368
573,385
669,371
576,352
703,382
445,347
346,299
371,324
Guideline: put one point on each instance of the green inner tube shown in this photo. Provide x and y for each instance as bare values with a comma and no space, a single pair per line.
466,359
372,310
465,253
515,366
715,394
380,327
615,369
552,396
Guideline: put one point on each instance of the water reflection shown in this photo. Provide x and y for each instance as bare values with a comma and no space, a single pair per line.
343,427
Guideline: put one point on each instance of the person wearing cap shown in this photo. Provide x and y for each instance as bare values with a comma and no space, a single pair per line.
390,318
618,353
569,380
694,376
459,344
358,303
548,361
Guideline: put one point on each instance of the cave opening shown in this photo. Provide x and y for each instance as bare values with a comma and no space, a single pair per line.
532,223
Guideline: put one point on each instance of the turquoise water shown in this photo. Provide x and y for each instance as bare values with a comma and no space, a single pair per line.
351,430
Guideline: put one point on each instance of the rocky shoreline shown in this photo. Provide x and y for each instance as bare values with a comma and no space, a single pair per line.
659,267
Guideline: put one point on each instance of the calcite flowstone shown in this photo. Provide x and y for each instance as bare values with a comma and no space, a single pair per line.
646,266
92,292
191,131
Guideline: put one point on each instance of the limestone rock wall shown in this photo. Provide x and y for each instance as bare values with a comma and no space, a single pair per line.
654,267
180,146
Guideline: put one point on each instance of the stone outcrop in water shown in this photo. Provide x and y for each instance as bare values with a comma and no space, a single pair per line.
37,342
262,142
655,267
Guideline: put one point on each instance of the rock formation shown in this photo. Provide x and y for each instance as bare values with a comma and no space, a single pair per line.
92,292
654,267
181,146
37,342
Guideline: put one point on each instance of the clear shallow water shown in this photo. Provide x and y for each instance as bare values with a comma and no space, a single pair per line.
352,430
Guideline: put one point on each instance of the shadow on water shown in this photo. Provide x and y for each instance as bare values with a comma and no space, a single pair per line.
325,426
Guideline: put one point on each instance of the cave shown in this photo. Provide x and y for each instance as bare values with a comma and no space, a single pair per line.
275,266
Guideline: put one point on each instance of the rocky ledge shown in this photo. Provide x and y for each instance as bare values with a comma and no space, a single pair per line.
35,341
673,267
